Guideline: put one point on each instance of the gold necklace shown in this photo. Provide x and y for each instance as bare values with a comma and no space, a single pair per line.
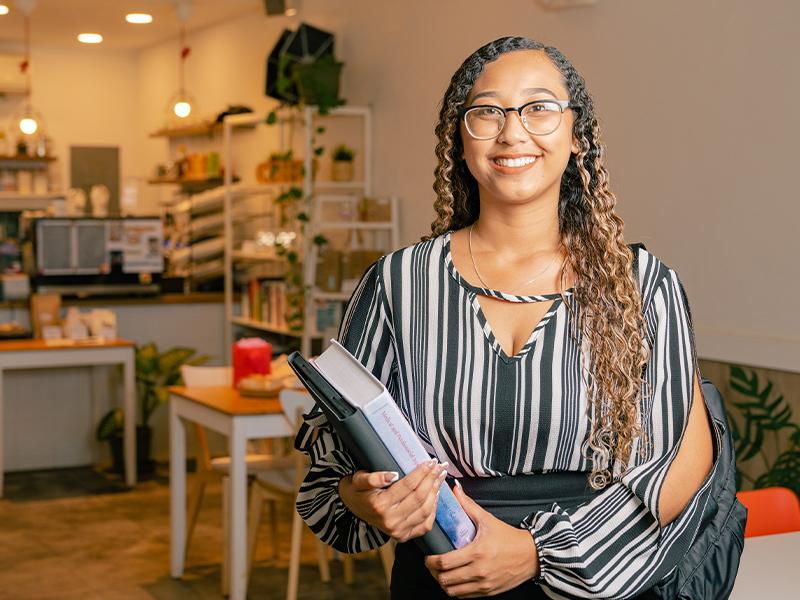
474,266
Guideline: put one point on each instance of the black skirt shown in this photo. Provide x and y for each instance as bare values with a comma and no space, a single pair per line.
510,499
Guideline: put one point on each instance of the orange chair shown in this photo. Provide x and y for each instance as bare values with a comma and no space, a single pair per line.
770,511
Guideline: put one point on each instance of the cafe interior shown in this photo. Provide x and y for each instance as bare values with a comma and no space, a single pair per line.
190,191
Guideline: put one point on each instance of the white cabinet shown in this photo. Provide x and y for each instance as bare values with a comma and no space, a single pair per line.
316,196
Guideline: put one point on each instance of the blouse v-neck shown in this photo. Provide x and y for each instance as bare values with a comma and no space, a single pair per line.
473,292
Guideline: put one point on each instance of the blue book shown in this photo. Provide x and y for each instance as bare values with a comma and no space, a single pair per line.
369,397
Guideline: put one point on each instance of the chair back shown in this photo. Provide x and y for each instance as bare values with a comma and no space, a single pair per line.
770,511
202,376
295,403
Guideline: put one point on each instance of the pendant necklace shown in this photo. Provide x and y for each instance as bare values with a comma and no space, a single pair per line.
474,266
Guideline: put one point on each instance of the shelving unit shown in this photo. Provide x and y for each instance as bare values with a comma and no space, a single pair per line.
204,218
315,193
13,201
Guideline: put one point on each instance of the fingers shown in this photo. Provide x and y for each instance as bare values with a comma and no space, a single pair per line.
416,512
364,480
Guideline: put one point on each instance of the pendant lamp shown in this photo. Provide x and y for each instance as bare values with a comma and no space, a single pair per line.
29,119
181,103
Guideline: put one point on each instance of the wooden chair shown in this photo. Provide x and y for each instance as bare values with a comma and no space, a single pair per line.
287,483
770,511
213,469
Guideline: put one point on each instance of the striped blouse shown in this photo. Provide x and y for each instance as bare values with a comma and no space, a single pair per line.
418,326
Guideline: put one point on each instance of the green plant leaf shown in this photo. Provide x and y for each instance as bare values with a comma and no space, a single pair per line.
320,240
170,361
785,472
110,425
762,416
318,151
320,130
302,217
272,118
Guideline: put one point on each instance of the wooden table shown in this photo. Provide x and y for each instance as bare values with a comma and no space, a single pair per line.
224,410
769,568
38,354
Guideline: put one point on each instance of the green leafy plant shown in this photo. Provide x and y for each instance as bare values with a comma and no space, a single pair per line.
154,372
765,413
316,82
343,154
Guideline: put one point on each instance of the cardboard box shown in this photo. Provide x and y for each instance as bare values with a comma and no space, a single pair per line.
329,271
355,263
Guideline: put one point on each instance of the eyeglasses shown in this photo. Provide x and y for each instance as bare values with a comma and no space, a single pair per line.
540,117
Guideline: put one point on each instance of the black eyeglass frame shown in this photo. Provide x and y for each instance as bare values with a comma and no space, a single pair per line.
463,110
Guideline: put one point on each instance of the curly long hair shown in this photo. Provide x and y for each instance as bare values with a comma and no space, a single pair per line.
606,304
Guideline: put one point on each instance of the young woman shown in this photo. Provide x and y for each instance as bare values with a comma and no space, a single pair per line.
558,390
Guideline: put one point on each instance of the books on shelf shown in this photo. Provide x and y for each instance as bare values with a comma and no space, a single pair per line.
265,302
369,421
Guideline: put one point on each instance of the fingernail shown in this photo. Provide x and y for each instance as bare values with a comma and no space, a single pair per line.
458,484
445,465
441,476
391,476
430,464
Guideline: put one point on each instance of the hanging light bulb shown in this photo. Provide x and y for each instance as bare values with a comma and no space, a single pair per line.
182,109
181,103
30,120
28,125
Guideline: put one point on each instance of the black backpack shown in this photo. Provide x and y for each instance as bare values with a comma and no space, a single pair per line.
708,569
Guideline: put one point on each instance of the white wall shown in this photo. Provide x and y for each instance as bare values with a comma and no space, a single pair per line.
696,101
49,418
87,96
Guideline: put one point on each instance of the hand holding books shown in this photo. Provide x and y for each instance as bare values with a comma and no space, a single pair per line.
367,419
405,510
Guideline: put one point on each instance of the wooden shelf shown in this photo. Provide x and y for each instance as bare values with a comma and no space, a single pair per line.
25,158
363,225
265,327
195,130
255,256
192,186
339,185
13,201
341,296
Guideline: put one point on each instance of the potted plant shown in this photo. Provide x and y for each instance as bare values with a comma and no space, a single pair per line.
154,372
342,163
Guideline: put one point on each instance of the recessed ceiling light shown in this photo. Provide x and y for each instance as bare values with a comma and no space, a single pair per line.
139,18
3,9
90,38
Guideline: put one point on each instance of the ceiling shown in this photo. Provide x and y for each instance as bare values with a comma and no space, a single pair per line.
58,22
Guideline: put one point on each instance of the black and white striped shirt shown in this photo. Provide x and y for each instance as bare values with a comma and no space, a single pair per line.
418,326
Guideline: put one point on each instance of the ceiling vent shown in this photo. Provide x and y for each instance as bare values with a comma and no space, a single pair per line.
559,4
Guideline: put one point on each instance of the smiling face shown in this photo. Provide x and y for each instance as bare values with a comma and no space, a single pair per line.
518,167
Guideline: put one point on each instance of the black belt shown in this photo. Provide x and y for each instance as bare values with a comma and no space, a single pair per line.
511,498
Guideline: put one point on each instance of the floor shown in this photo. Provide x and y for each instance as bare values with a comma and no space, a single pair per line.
72,533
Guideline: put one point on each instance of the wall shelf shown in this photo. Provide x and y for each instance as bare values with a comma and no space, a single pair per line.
208,128
14,201
261,326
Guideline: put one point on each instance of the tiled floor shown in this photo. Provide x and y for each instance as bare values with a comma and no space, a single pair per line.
116,546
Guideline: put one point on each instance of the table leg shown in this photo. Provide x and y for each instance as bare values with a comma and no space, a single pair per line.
128,377
1,432
177,489
237,515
